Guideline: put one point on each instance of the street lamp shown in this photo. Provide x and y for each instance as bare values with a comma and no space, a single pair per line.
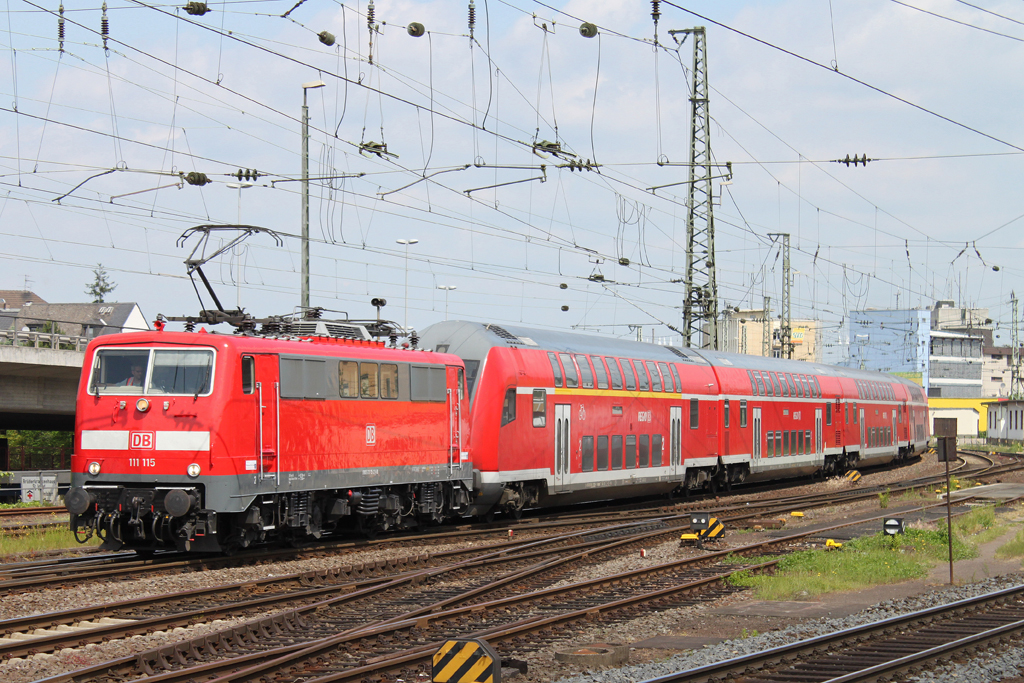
446,288
406,242
305,191
236,251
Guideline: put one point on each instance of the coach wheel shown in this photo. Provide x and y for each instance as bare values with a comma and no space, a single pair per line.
368,527
517,512
489,516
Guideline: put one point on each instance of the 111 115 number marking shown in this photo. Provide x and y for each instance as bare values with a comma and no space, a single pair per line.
142,462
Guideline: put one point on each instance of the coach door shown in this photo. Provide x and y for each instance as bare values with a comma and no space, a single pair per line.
893,428
562,442
863,443
817,431
756,447
675,438
268,414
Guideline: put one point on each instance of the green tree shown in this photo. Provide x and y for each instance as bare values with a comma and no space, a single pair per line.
101,285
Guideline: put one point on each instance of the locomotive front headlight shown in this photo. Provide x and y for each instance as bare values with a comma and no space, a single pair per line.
94,468
142,405
194,469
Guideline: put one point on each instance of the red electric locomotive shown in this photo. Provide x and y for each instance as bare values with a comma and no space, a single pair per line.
210,442
562,418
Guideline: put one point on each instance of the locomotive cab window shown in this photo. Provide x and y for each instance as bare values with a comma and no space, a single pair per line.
508,407
248,375
540,408
694,413
186,372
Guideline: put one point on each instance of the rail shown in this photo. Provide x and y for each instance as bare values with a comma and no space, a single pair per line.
43,340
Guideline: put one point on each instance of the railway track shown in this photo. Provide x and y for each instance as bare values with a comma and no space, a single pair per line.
880,650
358,608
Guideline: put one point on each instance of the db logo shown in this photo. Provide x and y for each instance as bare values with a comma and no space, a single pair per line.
371,435
142,439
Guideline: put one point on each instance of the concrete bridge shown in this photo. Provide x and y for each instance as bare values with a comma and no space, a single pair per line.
39,375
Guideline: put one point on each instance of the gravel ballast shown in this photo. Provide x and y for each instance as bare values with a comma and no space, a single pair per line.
990,666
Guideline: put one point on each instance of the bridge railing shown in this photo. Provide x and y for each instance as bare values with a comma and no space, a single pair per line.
43,340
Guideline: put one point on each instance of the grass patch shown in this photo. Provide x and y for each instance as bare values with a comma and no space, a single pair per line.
861,563
34,504
36,540
979,525
1012,548
883,499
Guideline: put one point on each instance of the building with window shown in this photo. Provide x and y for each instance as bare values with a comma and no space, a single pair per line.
33,314
1005,421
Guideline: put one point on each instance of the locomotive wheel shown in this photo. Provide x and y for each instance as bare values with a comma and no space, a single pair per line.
368,527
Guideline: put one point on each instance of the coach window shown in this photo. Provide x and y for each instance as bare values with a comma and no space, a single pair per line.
368,380
600,374
675,376
743,413
694,413
540,408
817,386
642,383
800,441
652,368
248,374
785,443
828,413
461,379
389,381
847,406
769,449
613,371
899,414
617,452
630,451
760,384
753,385
602,453
807,385
763,375
556,369
645,451
348,379
656,450
775,384
586,376
627,373
855,412
570,370
783,385
508,408
725,414
667,378
587,452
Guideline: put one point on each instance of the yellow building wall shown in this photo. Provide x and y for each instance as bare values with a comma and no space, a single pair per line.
975,403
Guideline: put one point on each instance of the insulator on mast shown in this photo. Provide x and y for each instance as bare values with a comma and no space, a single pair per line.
656,15
370,12
472,18
104,26
60,27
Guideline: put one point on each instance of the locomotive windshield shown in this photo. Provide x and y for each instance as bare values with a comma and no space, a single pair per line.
135,371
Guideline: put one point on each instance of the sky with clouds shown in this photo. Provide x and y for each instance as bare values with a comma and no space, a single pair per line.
93,142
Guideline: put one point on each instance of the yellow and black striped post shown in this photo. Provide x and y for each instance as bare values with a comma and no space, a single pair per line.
466,661
852,476
715,530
